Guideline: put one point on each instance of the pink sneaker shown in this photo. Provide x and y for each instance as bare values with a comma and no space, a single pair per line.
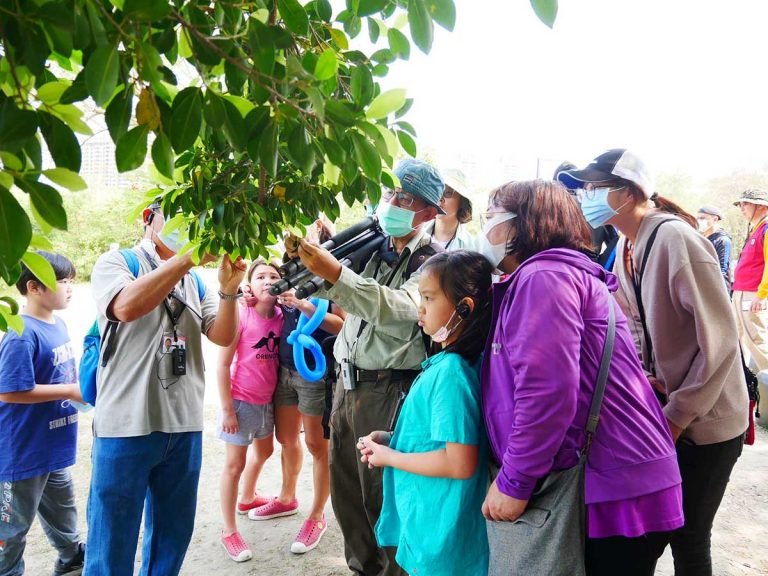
309,535
236,547
243,507
274,509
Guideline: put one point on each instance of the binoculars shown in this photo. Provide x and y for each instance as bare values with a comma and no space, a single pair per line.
352,247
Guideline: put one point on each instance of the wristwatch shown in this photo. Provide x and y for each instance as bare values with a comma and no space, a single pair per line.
237,295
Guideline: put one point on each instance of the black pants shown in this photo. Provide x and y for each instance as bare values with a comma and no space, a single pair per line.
356,490
625,556
705,471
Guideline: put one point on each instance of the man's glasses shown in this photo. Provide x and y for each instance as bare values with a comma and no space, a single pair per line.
404,199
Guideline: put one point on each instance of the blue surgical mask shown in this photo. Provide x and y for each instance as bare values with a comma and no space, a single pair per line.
174,240
595,207
395,221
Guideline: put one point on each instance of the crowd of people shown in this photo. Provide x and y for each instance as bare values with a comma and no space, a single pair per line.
563,393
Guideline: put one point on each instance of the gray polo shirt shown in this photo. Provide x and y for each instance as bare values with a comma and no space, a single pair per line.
137,391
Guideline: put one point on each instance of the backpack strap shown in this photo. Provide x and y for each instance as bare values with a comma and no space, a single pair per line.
200,284
109,334
637,280
132,260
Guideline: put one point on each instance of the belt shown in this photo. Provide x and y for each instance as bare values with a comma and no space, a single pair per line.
373,375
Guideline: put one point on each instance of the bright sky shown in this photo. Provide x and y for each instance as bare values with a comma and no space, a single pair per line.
682,82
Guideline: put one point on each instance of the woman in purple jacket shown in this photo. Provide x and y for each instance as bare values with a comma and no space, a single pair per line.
539,373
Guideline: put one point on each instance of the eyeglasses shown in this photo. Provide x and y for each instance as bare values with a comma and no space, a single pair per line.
404,199
448,193
591,191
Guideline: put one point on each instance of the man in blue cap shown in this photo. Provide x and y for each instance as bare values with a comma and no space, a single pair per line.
379,352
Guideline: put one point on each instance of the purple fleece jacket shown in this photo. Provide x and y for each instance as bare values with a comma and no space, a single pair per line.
539,370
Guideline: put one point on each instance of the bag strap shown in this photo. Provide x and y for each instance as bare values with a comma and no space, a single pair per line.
602,375
637,281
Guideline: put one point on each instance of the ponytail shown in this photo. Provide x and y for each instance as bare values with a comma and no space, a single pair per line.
666,205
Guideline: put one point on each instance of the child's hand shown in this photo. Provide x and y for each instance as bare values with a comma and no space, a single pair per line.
229,423
374,454
74,394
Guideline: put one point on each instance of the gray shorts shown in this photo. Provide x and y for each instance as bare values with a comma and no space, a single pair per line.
256,421
292,389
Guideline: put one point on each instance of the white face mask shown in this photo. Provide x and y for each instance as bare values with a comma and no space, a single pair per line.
495,253
443,332
703,224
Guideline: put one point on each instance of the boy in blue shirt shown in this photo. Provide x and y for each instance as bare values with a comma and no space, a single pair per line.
38,381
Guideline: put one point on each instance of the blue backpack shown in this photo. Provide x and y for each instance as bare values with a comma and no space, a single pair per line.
89,362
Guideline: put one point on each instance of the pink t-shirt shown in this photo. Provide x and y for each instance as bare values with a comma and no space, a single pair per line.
255,366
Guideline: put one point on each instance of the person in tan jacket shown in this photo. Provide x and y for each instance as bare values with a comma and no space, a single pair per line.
671,286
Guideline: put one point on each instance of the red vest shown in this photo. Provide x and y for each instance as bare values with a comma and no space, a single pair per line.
749,270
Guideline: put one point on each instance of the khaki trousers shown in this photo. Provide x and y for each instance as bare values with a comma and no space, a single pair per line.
753,333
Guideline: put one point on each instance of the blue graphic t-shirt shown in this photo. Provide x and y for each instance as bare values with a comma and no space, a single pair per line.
38,438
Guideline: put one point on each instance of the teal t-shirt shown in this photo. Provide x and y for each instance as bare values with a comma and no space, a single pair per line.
437,523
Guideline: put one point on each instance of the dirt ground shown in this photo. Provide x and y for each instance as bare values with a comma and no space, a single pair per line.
741,527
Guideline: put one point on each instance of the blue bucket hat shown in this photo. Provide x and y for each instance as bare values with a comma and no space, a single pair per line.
422,180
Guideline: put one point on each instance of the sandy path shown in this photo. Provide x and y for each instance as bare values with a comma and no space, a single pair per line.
740,531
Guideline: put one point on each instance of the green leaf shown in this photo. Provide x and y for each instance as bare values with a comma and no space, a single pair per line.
16,125
294,15
268,148
235,129
63,177
398,43
407,142
76,91
340,39
46,201
39,242
301,150
15,232
243,106
368,7
443,12
421,24
41,268
373,30
213,110
362,85
12,304
326,66
51,92
61,141
162,155
546,10
386,103
15,323
366,156
324,10
101,74
187,118
118,113
6,179
146,10
132,149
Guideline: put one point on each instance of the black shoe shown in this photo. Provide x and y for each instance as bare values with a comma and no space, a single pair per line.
74,567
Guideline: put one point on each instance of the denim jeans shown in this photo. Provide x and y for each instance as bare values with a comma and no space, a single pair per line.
158,474
52,497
